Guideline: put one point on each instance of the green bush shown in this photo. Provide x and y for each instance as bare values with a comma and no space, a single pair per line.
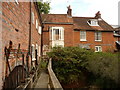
73,64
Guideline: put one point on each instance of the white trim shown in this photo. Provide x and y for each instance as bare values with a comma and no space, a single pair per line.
92,22
32,16
17,1
40,30
99,48
81,32
33,52
36,24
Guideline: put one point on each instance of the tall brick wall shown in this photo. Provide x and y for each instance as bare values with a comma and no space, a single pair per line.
16,26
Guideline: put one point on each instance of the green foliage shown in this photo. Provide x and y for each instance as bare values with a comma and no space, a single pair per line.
68,62
72,64
44,7
43,64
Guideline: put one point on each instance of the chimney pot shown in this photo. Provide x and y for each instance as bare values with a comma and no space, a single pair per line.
98,15
69,11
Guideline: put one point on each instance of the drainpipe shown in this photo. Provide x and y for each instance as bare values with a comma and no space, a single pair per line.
42,40
29,45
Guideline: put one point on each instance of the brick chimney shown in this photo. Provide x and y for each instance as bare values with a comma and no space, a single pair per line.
98,15
69,11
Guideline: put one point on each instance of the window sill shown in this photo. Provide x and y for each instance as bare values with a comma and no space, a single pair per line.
83,40
33,59
98,40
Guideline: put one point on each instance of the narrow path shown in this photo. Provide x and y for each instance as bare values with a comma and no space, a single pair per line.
43,80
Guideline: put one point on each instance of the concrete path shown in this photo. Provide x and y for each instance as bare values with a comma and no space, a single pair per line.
43,80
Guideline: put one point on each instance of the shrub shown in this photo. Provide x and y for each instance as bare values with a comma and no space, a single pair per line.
73,64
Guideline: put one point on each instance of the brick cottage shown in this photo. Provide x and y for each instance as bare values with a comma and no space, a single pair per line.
85,32
21,36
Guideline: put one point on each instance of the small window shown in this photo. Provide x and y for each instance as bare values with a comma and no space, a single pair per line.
93,22
82,35
36,24
16,1
56,33
98,36
37,48
39,52
32,16
33,52
40,30
98,49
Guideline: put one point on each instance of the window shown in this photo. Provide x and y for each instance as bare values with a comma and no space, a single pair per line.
56,33
16,1
37,48
98,49
40,30
98,36
39,51
93,22
82,35
36,24
33,52
32,17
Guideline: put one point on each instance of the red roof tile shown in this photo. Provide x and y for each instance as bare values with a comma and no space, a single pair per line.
81,23
56,18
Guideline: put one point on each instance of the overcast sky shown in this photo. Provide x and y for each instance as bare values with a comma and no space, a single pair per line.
88,8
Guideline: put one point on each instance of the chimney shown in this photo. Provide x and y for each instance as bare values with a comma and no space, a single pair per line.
98,15
69,11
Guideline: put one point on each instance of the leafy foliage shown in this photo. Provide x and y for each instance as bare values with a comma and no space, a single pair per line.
44,7
72,64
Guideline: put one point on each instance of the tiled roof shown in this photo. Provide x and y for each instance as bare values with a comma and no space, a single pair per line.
56,18
78,22
81,23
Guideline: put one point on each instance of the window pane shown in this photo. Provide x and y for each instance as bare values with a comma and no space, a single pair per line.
98,36
56,35
82,35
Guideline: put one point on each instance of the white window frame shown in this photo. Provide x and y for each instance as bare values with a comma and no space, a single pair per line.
83,34
99,49
40,30
37,48
39,53
94,22
33,52
36,24
16,1
32,17
52,33
98,34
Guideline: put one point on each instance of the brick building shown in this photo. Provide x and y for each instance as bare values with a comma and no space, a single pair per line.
21,35
85,32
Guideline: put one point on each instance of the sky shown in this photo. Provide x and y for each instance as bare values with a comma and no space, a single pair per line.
88,8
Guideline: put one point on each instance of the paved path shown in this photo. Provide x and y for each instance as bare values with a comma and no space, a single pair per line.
43,80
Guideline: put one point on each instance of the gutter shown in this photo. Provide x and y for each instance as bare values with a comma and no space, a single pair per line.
57,23
93,30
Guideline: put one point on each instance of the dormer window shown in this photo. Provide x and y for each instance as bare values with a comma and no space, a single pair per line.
93,22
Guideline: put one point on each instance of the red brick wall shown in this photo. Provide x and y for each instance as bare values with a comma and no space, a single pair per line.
68,34
17,16
107,42
36,37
